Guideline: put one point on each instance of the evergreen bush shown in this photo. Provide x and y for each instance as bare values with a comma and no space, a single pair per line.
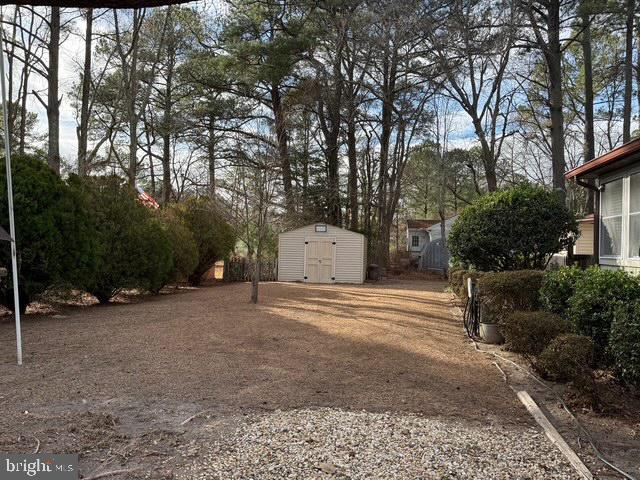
624,342
567,358
529,333
513,229
214,237
501,293
598,292
54,231
134,249
558,287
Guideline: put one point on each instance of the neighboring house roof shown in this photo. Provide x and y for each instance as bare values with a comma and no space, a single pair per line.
612,160
420,224
447,224
147,200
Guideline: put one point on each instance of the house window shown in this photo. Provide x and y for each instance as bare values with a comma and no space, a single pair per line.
634,216
611,219
415,241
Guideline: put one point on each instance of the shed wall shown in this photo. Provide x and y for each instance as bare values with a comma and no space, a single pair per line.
350,261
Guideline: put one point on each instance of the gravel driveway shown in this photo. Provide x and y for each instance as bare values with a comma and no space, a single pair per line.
342,380
334,443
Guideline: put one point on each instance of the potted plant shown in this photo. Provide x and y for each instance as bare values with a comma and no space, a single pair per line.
490,331
489,328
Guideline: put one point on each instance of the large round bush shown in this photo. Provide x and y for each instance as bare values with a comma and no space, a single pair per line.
598,292
134,249
514,229
624,342
55,239
213,235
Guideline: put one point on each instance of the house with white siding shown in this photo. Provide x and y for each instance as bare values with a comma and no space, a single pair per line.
615,179
322,253
418,235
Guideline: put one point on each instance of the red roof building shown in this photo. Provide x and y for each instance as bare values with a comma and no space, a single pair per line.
615,179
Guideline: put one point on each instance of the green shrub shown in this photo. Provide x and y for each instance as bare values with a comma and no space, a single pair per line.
530,332
213,235
598,292
501,293
55,238
568,358
134,250
156,265
469,274
183,246
456,279
514,229
558,287
624,343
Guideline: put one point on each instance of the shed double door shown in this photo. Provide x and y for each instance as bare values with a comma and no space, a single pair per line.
319,260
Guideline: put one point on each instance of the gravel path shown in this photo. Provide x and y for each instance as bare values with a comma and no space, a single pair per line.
333,443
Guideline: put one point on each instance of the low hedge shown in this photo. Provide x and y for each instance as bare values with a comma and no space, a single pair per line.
456,278
501,293
529,333
567,358
558,287
624,343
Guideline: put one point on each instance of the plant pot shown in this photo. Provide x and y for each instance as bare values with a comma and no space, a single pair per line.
489,333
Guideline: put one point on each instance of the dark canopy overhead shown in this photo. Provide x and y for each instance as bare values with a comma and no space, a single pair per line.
95,3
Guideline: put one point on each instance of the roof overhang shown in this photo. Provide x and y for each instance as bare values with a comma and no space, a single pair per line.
96,3
615,159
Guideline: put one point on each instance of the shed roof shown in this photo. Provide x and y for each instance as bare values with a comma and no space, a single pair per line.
330,227
612,160
418,224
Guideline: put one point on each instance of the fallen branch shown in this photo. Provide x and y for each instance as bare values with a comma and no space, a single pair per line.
194,416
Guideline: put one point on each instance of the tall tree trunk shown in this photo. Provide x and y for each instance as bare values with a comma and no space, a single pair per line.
83,128
132,95
53,100
283,148
25,87
167,127
255,278
554,64
211,154
305,160
628,72
389,66
488,157
352,155
589,136
23,106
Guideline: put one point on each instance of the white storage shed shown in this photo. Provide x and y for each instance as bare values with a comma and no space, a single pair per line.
321,253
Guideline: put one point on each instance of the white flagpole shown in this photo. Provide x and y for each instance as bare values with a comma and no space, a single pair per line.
12,226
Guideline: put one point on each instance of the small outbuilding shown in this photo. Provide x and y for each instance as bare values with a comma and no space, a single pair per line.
321,253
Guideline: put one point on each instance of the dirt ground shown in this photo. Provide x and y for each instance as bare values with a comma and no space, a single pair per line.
135,386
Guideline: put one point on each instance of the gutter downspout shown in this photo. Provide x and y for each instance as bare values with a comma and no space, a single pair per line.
596,218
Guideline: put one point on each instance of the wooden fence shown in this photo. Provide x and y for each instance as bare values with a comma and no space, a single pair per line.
241,270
